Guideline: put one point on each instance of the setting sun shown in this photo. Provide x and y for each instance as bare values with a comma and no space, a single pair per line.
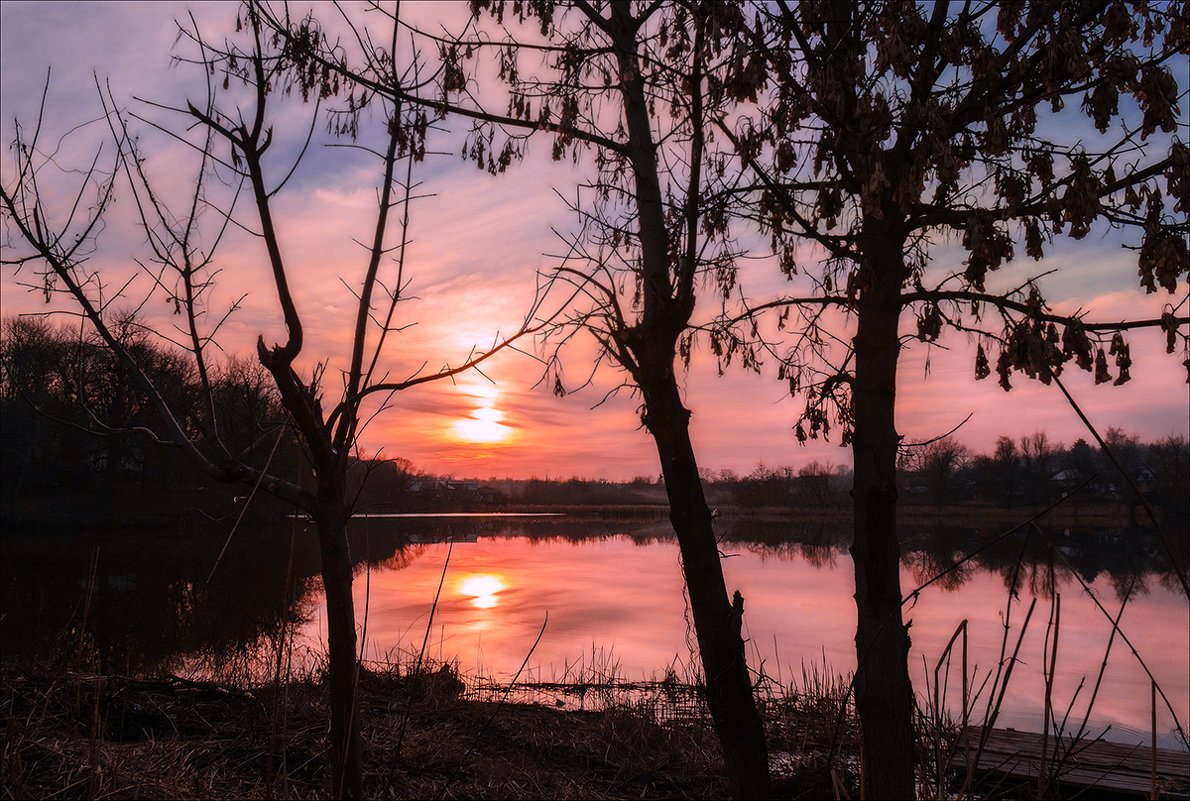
483,426
482,590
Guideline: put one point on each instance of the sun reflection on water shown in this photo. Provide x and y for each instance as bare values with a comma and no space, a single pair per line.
483,589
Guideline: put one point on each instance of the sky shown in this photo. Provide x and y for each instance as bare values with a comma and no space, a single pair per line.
477,244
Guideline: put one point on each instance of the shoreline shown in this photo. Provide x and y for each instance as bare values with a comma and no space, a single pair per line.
433,733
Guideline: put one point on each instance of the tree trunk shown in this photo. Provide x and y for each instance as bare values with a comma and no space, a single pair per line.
346,765
716,620
883,693
667,303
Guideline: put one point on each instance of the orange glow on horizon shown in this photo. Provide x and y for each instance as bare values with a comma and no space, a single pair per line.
483,589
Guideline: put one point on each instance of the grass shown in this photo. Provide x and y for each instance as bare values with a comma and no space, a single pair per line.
437,734
74,734
77,735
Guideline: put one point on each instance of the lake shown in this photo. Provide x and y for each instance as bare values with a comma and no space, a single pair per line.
609,595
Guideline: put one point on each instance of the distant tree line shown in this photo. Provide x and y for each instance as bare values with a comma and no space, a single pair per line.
76,428
1029,471
815,486
1036,470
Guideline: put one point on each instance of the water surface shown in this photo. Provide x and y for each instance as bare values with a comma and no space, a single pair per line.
610,597
616,603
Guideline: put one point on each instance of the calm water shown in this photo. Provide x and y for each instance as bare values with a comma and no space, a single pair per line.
609,596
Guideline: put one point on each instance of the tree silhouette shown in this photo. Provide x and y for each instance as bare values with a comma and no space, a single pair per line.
893,126
877,130
243,145
939,463
636,87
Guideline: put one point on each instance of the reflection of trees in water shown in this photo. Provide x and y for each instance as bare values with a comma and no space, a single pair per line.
1132,586
819,555
927,565
150,608
1123,553
1038,557
813,537
380,546
938,552
401,559
1038,579
818,543
393,532
138,602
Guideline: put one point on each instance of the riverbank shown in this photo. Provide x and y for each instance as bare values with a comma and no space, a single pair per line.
1081,513
435,734
71,734
197,509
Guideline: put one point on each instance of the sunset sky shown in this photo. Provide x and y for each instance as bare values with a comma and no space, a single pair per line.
478,243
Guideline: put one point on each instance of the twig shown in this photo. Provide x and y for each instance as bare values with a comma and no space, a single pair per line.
1177,568
421,654
1177,724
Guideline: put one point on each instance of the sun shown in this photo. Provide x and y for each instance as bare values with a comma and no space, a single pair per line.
483,426
482,589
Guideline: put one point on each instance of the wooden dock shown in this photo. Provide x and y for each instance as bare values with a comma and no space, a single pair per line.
1109,768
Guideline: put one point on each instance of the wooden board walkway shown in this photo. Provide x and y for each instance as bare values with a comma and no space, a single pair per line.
1111,767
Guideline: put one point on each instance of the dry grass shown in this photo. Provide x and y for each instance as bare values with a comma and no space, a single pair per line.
81,735
77,735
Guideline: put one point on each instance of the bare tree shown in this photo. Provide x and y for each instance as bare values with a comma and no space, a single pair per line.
49,243
1037,456
818,485
941,462
637,87
895,125
1006,465
1170,460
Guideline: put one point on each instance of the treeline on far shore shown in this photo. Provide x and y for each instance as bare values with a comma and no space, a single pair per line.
72,447
1029,472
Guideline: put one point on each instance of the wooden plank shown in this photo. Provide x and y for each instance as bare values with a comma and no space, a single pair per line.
1115,767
